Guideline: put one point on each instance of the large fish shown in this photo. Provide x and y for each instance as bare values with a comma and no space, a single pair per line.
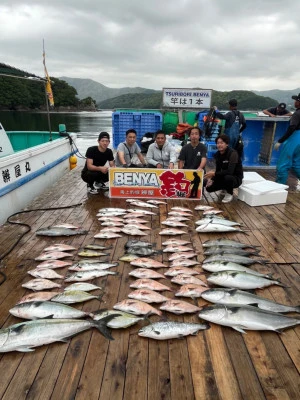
229,250
191,290
147,263
220,221
83,276
136,307
240,280
46,273
171,232
240,297
139,203
60,247
233,258
243,318
144,212
52,255
121,319
165,330
146,283
107,235
27,335
146,273
147,295
74,296
183,279
46,309
65,225
40,284
179,307
230,266
227,243
209,228
51,231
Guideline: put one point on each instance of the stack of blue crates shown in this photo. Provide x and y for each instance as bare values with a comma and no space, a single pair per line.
210,144
142,122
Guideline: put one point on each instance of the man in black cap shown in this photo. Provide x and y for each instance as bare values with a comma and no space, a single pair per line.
235,122
279,111
289,157
95,171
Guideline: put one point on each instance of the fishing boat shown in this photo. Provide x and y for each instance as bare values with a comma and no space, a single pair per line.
29,163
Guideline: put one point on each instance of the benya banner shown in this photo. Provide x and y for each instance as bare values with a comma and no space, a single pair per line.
156,183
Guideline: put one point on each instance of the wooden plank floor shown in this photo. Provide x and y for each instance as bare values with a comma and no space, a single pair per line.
219,363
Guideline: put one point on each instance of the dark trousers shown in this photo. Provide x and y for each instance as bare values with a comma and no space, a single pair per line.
227,182
93,176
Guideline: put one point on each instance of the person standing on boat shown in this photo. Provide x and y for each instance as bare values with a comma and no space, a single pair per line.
235,122
161,154
95,171
193,154
126,151
229,170
289,157
279,111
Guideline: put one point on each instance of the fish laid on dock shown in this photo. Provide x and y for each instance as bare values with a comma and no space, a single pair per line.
146,273
191,290
59,231
52,255
37,296
121,319
53,264
171,232
165,330
136,307
84,286
148,283
243,318
74,296
147,295
183,279
60,247
83,276
215,227
179,307
46,273
147,263
240,280
27,335
228,243
40,284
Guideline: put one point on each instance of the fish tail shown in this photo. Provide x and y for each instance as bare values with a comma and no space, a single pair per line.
101,325
297,309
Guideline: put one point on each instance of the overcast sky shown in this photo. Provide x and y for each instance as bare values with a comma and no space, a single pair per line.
213,44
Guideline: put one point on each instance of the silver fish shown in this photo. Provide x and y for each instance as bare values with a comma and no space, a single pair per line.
132,225
92,253
233,258
83,286
97,247
165,330
220,221
173,223
66,225
27,335
111,209
121,319
240,280
106,218
203,208
110,229
145,212
229,250
240,297
243,318
112,223
230,266
184,209
91,266
74,296
212,211
88,275
155,202
171,232
216,228
227,243
51,231
139,203
46,309
142,251
107,235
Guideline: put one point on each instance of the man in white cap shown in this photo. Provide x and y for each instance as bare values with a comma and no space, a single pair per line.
289,157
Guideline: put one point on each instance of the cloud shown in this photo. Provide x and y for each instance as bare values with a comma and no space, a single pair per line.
217,44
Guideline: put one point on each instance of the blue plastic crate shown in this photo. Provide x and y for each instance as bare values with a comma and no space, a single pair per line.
211,149
142,122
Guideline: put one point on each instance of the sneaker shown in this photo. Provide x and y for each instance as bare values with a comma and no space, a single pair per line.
101,185
220,192
92,190
227,199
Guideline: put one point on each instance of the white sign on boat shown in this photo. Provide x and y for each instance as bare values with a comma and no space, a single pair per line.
186,98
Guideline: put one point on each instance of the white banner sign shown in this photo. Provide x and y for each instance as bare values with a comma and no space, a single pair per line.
187,98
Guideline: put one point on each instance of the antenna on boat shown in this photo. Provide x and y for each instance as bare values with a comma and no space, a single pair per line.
48,92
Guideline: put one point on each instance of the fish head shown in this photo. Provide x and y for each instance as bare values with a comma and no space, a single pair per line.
214,295
213,313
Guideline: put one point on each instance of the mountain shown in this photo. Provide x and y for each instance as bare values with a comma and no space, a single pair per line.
247,100
89,88
280,95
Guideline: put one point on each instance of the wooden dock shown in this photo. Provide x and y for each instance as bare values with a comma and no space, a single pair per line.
219,363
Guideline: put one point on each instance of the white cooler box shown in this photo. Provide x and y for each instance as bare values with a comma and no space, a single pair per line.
263,193
251,177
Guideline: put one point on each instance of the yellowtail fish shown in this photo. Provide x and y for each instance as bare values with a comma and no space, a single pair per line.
74,296
82,286
165,330
121,319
